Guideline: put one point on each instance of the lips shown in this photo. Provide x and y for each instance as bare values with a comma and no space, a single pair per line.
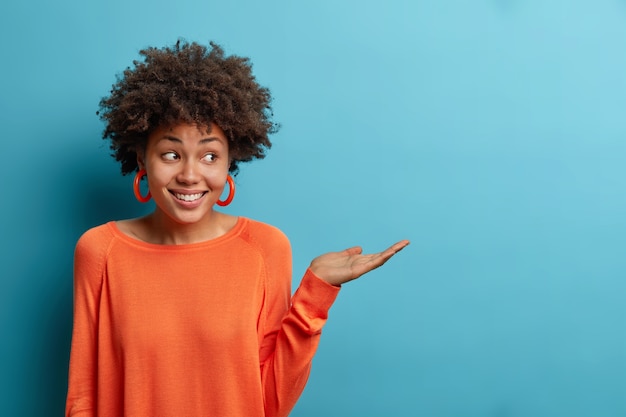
188,197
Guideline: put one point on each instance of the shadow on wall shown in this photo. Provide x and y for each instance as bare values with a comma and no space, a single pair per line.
47,302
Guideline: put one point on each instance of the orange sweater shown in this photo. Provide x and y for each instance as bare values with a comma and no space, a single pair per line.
205,329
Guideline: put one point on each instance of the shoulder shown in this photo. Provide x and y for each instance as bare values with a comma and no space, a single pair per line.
95,241
264,229
90,256
260,231
266,237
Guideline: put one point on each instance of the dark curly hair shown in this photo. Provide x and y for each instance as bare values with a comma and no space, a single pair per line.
188,83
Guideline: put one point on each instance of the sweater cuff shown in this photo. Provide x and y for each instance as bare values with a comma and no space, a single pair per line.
315,296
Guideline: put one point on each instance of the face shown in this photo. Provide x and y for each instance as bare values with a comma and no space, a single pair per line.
186,168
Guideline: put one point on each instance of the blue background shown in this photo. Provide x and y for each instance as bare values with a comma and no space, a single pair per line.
492,133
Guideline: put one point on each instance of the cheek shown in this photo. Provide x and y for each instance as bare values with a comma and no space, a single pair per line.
218,179
158,177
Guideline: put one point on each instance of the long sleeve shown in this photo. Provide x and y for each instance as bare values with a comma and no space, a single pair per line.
208,328
294,327
81,397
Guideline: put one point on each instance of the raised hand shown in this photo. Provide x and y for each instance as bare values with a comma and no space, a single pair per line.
337,268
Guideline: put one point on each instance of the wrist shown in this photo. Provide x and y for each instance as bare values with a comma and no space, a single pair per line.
325,275
322,275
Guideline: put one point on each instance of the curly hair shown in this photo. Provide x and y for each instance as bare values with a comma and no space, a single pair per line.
188,83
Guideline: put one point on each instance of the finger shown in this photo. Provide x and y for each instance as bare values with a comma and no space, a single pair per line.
393,249
370,262
397,247
355,250
382,257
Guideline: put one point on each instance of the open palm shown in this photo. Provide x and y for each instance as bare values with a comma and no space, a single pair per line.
337,268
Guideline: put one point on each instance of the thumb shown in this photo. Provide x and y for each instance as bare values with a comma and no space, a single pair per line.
355,250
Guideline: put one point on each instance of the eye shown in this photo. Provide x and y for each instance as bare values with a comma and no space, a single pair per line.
210,157
170,156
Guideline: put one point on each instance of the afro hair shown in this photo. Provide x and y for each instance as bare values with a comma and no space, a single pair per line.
188,83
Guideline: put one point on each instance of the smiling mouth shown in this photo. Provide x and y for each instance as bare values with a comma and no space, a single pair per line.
188,197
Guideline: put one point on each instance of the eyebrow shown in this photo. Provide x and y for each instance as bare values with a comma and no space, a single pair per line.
202,141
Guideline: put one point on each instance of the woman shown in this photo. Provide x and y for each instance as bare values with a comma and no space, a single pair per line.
188,311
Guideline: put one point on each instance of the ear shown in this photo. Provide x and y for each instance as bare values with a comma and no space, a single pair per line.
140,158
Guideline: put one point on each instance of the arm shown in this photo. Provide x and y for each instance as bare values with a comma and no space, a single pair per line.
83,366
286,370
289,327
288,347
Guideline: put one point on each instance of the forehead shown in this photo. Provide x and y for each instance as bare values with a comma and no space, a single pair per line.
187,132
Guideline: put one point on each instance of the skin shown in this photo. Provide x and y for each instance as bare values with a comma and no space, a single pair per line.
186,167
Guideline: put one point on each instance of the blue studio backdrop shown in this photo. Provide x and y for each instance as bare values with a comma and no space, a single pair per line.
491,133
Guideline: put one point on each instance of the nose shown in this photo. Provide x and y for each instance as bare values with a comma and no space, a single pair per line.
189,172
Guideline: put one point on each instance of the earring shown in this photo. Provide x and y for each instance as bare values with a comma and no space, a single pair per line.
138,176
231,192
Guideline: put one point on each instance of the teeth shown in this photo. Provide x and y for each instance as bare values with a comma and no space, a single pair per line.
188,197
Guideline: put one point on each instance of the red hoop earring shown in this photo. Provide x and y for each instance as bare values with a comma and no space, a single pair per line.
231,192
138,176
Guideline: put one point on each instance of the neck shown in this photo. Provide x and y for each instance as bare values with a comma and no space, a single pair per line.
163,230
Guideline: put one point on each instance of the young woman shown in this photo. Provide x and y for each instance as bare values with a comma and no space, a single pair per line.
188,311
